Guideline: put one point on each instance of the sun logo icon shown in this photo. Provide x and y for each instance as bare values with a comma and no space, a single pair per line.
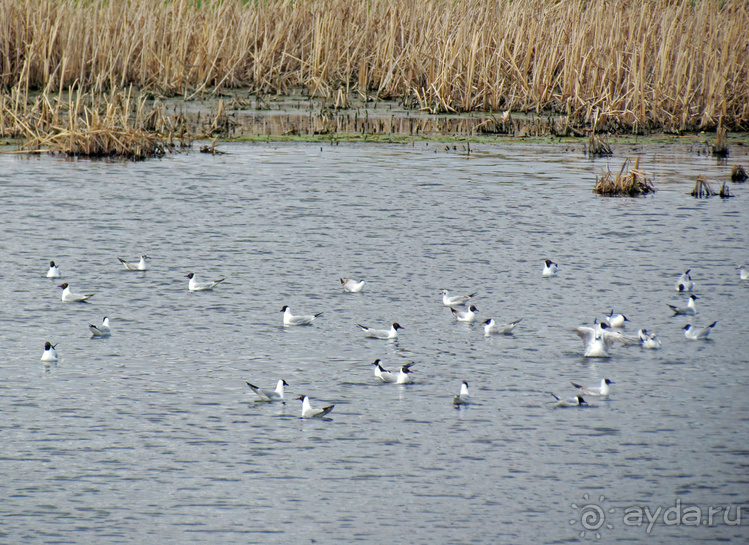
592,516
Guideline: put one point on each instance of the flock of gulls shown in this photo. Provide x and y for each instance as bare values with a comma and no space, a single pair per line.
597,339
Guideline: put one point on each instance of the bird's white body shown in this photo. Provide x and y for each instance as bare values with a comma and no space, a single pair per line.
352,286
194,285
616,320
465,315
576,401
689,310
648,340
266,395
49,354
743,273
456,301
68,296
391,333
383,374
290,319
595,341
685,282
309,412
404,376
550,269
697,334
140,266
602,391
54,271
463,398
491,327
100,331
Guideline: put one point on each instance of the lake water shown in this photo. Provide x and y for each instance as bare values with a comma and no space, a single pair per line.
152,436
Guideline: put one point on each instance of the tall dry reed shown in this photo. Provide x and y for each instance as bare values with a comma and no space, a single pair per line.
654,63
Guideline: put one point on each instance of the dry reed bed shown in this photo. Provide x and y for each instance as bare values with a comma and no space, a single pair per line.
651,64
626,183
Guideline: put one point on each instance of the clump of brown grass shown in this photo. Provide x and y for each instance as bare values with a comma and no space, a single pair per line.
738,174
725,191
598,146
720,148
702,188
631,183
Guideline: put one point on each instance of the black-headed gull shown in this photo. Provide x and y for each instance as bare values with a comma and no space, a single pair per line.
602,391
648,340
550,268
100,331
684,283
290,319
595,340
383,374
576,401
465,315
463,398
352,286
616,320
309,412
49,354
68,296
54,271
140,266
689,310
455,301
491,327
743,273
194,285
404,376
391,333
697,334
267,395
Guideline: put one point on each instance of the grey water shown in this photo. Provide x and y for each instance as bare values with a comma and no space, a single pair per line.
152,436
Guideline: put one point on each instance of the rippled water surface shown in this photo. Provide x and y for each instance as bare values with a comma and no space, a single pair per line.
152,436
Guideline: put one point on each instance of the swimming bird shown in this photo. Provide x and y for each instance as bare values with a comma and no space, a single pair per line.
601,391
194,285
383,374
102,330
266,395
595,341
576,401
69,296
685,282
404,376
54,271
309,412
290,319
391,333
697,334
465,315
491,327
456,300
140,266
743,273
49,354
616,320
550,268
463,398
648,340
689,310
352,286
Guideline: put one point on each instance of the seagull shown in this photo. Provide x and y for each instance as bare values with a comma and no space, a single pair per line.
616,320
50,354
694,334
465,315
595,341
404,377
102,330
491,327
463,398
689,310
383,374
194,285
68,296
602,390
685,282
576,401
53,271
550,268
743,273
648,340
309,412
141,266
391,333
289,319
352,286
455,301
266,395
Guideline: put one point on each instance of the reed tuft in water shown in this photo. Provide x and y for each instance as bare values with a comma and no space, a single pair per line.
626,183
702,188
738,174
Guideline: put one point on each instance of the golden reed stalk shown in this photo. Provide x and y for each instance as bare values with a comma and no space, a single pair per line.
674,65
